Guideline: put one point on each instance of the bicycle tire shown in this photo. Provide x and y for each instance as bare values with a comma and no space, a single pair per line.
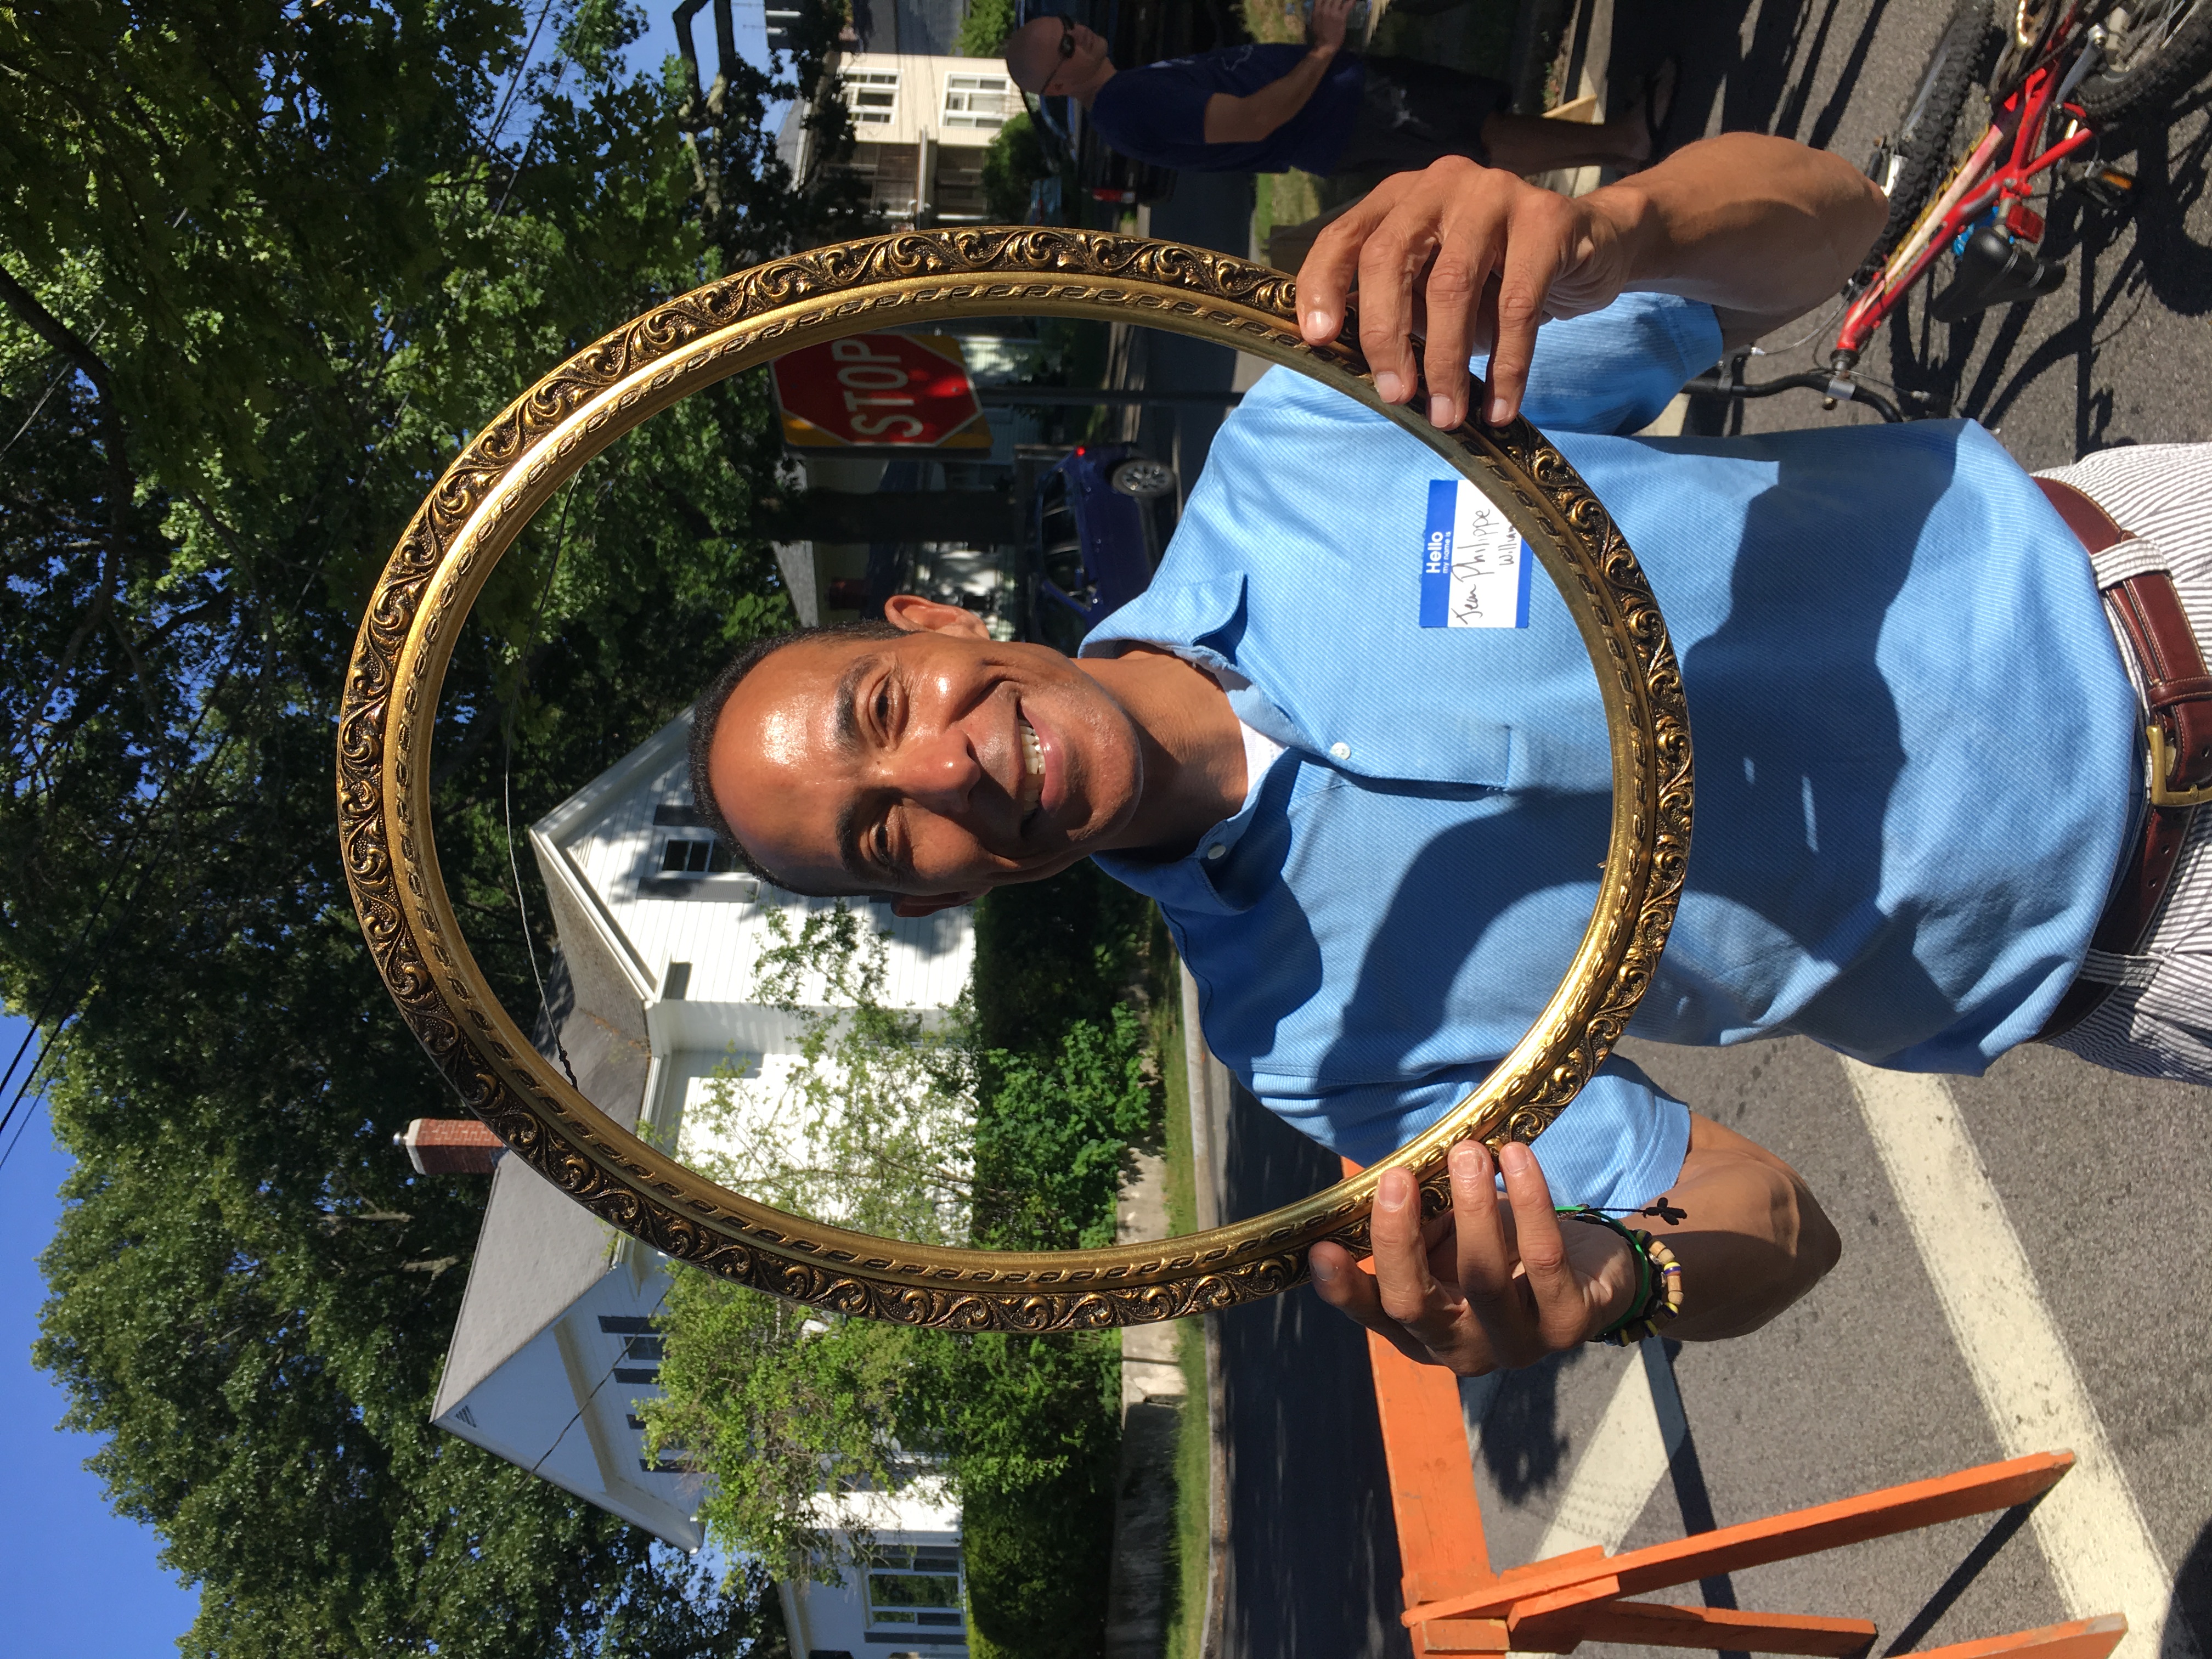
2158,75
1916,157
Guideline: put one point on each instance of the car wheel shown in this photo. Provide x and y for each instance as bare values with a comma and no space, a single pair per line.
1145,479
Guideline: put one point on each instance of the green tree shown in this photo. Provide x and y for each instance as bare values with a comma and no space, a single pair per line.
263,267
912,1129
873,1127
1012,163
988,22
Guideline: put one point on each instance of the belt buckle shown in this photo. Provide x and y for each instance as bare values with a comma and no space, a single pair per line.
2160,794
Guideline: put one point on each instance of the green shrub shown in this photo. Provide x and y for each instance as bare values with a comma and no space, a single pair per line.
1048,953
1050,1139
1037,1424
1014,161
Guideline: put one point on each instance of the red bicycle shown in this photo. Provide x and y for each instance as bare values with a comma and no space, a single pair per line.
2061,73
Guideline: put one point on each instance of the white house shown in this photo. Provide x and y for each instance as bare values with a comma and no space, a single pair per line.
554,1351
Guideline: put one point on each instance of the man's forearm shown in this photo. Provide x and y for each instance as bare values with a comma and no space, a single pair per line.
1753,1238
1760,229
1256,116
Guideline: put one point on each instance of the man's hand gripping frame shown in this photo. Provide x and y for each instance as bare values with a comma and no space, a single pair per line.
513,466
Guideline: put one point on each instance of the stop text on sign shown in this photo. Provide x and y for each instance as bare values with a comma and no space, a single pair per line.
875,392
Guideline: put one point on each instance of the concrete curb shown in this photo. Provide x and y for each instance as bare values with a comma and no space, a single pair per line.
1209,1116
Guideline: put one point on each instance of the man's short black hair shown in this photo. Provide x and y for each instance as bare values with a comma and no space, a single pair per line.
707,716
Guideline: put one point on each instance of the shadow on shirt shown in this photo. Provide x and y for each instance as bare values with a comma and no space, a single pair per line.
1798,750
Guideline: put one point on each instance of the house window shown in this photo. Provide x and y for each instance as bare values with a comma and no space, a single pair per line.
641,1350
873,96
975,100
682,856
890,173
959,193
914,1591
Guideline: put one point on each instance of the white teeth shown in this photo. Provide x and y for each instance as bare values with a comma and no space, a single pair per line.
1032,789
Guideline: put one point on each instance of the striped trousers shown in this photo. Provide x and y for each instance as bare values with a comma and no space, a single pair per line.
2158,1021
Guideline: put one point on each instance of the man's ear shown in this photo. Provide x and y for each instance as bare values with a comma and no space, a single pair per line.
907,906
918,615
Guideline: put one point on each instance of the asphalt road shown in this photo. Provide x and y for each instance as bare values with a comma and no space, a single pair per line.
1873,1379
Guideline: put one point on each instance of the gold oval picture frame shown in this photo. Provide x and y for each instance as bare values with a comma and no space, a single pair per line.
512,468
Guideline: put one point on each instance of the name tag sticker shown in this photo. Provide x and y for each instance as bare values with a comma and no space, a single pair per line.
1474,566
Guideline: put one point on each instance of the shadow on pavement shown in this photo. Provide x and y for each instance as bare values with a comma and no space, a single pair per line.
1796,70
2192,1587
1522,1446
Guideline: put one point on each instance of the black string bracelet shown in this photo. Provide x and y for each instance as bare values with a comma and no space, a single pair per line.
1658,1298
1658,1208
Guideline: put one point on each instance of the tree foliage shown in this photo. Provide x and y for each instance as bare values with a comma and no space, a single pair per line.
264,265
1013,164
984,28
873,1129
902,1126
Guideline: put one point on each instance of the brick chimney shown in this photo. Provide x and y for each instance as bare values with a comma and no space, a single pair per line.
451,1145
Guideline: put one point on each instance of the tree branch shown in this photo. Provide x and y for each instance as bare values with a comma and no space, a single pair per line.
122,482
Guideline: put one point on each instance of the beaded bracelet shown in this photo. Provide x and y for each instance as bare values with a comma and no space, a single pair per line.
1658,1298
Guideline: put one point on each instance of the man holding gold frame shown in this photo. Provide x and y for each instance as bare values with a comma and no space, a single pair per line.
1370,802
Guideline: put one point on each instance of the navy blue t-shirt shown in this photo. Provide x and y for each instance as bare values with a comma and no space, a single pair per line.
1157,112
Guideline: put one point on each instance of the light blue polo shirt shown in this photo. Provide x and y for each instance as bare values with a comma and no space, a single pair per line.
1914,746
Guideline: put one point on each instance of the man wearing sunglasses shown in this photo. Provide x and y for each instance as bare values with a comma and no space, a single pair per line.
1316,107
1372,801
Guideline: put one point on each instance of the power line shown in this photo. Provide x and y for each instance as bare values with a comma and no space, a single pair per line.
515,81
507,781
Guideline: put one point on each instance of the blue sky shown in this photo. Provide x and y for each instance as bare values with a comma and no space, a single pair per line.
645,54
73,1578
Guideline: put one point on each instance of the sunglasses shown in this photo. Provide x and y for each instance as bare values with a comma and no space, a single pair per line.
1067,52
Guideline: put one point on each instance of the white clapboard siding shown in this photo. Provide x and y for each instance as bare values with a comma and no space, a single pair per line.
604,845
603,841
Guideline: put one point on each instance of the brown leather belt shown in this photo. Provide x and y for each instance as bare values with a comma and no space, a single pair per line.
2179,695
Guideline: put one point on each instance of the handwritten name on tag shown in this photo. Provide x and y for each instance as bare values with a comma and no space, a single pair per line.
1474,566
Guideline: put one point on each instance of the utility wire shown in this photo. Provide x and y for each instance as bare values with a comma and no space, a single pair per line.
24,1125
515,81
507,781
50,1004
606,1377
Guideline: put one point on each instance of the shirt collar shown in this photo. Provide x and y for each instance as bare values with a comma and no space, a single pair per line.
1196,621
1186,884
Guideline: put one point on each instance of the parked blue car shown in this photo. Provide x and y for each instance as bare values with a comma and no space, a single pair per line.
1094,538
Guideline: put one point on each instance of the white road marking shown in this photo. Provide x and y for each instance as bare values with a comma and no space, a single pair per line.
1626,1459
2089,1526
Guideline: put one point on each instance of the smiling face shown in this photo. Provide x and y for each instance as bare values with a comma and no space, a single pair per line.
934,765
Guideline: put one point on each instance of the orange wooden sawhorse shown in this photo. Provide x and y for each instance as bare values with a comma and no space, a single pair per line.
1456,1604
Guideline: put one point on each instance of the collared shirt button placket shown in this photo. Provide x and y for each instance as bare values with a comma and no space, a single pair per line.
1216,850
1341,750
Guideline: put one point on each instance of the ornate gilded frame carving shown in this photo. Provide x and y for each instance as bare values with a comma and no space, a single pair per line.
513,467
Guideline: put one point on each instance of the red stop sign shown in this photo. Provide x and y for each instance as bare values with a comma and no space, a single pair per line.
868,391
